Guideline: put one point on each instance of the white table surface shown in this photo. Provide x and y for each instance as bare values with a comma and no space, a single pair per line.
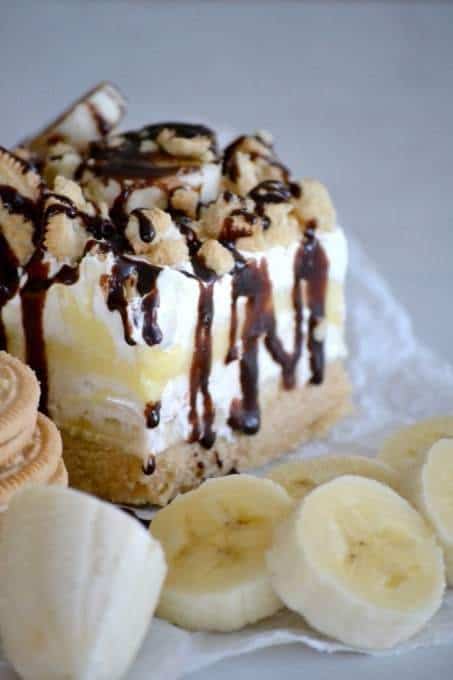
359,94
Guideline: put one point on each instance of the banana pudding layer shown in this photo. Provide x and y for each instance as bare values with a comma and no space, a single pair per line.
183,308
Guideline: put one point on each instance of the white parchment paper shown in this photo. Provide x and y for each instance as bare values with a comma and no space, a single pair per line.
396,381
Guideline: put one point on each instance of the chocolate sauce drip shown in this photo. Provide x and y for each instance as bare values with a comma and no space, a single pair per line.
102,126
295,189
150,466
249,282
152,414
314,270
270,191
118,212
184,224
127,272
145,226
201,369
231,230
267,193
33,297
9,282
16,204
252,282
99,227
230,166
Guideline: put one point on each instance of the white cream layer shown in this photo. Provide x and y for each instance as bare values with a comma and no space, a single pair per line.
177,316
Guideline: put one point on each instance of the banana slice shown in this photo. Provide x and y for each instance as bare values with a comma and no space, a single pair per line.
93,116
80,582
405,450
299,477
215,539
359,563
430,488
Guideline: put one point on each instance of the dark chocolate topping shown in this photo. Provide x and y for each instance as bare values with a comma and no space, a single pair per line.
16,204
152,414
200,370
150,466
230,166
145,226
103,126
128,272
252,282
270,191
185,226
33,296
9,282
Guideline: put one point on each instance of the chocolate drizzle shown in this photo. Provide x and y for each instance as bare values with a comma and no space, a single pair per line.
127,272
152,414
200,370
15,204
145,226
33,296
9,282
102,125
150,466
252,282
230,167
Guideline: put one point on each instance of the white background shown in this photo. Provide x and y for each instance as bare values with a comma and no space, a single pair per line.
359,94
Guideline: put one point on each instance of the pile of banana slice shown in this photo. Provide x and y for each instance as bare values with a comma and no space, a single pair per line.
361,548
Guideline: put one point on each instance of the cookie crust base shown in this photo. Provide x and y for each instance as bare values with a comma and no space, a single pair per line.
288,418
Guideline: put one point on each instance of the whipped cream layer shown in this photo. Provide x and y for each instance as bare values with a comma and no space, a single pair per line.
99,383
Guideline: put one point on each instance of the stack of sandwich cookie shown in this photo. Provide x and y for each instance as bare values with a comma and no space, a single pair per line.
30,444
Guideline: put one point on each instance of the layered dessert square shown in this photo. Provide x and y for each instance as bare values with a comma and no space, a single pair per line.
182,306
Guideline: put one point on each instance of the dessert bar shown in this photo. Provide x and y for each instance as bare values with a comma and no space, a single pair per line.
182,305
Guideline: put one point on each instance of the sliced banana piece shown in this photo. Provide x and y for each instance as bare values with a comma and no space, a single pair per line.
80,582
359,563
299,477
215,539
92,116
405,450
430,488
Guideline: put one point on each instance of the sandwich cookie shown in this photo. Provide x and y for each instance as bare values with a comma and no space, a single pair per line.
19,398
37,463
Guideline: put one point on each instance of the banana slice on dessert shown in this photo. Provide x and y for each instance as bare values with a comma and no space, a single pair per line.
215,539
79,584
430,489
93,116
405,450
359,563
299,477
